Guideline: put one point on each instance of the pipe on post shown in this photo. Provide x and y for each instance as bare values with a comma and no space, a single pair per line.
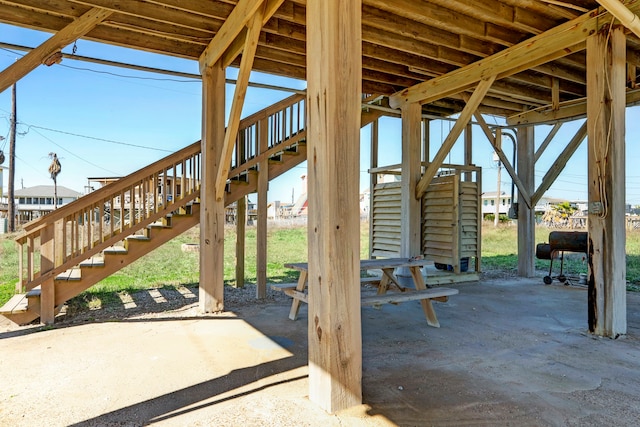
623,14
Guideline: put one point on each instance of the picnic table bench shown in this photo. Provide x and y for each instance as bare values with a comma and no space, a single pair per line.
384,283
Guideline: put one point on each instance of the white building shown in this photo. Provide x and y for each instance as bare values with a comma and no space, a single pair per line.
33,202
489,203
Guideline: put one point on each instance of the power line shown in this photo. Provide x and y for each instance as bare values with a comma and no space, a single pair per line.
127,76
75,155
96,138
7,47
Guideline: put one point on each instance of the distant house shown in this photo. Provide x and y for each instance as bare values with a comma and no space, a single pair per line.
504,203
33,202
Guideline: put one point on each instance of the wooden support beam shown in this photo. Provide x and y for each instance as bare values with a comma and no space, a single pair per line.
241,227
559,164
373,178
568,110
240,16
251,42
468,149
261,231
547,140
211,287
555,93
47,262
526,212
555,43
525,195
334,74
78,28
235,47
426,140
607,311
624,15
410,176
461,123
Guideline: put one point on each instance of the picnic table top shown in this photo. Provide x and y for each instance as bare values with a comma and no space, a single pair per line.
371,264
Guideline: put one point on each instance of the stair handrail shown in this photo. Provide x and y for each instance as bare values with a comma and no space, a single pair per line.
81,229
274,128
97,195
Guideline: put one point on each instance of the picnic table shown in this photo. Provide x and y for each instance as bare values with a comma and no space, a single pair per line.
386,281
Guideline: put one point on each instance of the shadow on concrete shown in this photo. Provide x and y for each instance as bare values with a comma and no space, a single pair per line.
197,397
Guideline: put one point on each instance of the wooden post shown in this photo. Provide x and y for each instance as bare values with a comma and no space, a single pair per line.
426,140
411,168
241,227
334,74
606,224
526,215
468,150
373,179
212,209
47,262
261,230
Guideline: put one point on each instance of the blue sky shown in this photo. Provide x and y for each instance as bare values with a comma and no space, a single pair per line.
92,115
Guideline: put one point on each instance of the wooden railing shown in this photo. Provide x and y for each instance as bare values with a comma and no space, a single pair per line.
262,134
77,231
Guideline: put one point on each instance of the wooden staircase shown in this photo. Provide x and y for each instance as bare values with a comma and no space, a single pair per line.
87,240
95,236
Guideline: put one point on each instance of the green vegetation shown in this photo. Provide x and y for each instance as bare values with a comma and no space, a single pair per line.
8,267
500,248
169,266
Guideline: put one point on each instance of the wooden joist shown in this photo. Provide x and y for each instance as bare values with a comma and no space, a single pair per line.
241,15
461,123
240,92
552,44
61,39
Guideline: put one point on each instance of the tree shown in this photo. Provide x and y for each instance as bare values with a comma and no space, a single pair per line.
54,170
565,209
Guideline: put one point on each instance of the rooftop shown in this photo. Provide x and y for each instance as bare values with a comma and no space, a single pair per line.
46,191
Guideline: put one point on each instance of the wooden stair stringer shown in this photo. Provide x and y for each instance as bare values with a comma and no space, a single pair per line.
136,248
17,310
275,170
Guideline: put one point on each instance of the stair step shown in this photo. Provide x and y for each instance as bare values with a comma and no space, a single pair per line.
17,304
138,237
71,274
34,293
115,250
92,262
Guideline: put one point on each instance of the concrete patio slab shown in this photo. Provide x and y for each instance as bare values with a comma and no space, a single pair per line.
509,352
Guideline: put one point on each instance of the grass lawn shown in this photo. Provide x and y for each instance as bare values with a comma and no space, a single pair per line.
169,266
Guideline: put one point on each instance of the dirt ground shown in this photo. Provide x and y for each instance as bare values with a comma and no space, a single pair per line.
510,352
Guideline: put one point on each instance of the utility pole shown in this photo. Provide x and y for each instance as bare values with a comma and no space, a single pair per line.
12,162
496,220
498,143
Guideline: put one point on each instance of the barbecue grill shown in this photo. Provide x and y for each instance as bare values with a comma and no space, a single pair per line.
559,243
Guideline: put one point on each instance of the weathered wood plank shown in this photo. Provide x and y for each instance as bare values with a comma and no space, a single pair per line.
250,44
558,42
464,117
62,38
212,210
240,16
261,238
395,298
334,107
607,312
